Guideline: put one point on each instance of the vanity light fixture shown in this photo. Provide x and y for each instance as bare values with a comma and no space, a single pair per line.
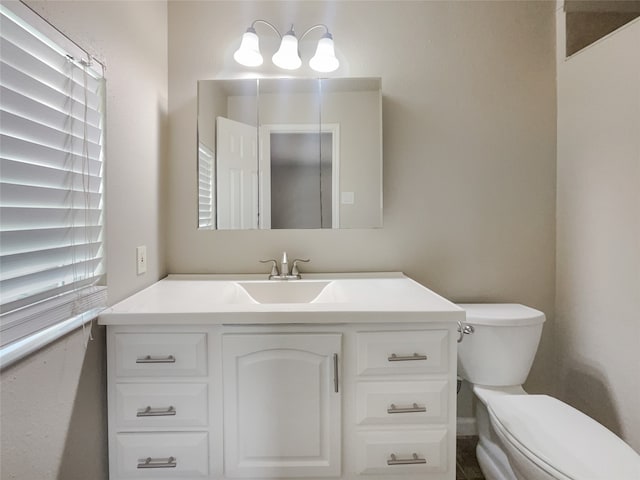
287,56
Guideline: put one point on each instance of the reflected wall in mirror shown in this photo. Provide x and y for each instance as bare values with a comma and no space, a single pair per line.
290,153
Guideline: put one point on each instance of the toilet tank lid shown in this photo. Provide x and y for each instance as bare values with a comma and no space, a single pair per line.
557,437
501,314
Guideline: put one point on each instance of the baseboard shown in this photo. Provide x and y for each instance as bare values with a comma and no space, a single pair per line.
466,426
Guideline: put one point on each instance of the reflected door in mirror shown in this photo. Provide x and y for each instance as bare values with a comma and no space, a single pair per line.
236,174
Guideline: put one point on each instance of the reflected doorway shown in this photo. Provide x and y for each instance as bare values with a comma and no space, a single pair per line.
299,177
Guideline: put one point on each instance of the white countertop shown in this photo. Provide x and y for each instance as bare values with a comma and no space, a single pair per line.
204,299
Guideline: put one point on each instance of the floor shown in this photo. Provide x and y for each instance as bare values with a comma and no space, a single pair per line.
467,467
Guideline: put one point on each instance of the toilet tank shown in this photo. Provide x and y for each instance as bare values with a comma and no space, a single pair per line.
504,343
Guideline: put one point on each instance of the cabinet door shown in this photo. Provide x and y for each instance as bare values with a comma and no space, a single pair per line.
281,405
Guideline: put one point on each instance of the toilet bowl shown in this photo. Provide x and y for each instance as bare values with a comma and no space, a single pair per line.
530,437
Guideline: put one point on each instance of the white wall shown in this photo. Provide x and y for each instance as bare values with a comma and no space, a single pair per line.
469,113
598,231
53,410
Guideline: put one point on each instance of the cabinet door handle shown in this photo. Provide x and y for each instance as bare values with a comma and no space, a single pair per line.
156,412
149,462
406,358
414,460
336,380
412,409
150,359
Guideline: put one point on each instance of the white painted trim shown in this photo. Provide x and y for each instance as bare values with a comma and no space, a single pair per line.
466,426
19,349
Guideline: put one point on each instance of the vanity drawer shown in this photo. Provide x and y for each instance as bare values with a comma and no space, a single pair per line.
160,354
402,452
162,455
161,405
410,352
398,403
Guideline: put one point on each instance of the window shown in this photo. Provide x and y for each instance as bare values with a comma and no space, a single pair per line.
52,265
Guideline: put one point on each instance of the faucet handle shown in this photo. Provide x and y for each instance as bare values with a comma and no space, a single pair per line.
294,268
274,267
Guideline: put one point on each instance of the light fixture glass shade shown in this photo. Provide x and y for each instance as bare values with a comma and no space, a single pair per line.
287,55
249,52
325,58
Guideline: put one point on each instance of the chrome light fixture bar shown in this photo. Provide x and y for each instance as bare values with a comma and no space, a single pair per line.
287,56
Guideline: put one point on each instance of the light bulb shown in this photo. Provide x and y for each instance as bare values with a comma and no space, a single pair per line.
325,58
249,52
287,55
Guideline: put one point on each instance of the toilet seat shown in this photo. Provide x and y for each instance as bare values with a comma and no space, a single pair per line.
501,314
560,440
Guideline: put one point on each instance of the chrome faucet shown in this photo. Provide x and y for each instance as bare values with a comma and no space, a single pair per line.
283,273
294,269
284,265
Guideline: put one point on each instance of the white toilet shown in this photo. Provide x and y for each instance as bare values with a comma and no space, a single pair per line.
529,437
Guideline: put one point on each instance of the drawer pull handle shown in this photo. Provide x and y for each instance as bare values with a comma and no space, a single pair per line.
156,412
158,462
407,358
150,359
412,409
414,460
336,381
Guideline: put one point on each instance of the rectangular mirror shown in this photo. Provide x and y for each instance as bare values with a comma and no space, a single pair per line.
290,153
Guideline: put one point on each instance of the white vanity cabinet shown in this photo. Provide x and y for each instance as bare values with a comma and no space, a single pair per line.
403,393
279,392
288,401
159,404
282,405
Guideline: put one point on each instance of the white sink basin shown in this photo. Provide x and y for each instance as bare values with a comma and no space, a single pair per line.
295,291
253,299
386,292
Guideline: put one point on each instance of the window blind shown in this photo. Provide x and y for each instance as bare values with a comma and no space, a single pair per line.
205,186
52,264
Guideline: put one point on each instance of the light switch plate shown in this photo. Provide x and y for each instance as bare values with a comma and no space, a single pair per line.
347,198
141,259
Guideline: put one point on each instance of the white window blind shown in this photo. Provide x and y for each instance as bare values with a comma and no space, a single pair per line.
205,186
51,177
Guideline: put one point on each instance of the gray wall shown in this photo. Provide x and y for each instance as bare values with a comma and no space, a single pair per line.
469,145
470,135
598,246
469,114
53,404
